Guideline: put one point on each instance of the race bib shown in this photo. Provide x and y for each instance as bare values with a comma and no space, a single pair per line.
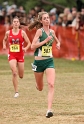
15,48
47,51
34,67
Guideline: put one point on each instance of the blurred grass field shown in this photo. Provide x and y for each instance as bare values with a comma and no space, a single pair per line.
31,106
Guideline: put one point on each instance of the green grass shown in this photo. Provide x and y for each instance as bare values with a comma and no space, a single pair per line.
31,106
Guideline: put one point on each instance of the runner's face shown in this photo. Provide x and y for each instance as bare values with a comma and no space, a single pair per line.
16,23
45,19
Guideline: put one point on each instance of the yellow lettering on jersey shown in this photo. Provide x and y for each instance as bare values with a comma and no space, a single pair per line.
47,51
15,48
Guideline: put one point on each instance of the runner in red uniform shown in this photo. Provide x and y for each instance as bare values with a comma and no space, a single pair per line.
16,43
16,38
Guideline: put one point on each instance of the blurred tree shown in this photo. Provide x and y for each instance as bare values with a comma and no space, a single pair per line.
46,4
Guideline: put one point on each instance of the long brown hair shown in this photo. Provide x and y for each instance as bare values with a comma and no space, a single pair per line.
36,21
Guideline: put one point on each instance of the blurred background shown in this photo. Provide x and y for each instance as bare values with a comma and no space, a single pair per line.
66,18
30,8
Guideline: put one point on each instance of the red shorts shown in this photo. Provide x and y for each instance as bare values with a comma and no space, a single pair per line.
19,58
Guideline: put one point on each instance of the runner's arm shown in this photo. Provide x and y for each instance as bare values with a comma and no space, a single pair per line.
27,41
5,40
56,39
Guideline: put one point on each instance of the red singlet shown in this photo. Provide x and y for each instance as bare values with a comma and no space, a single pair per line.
16,43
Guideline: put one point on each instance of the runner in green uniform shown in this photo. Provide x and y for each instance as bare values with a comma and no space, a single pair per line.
42,45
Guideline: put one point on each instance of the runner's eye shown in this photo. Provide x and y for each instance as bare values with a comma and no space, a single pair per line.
46,18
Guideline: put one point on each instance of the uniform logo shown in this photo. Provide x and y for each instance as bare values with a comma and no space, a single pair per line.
15,41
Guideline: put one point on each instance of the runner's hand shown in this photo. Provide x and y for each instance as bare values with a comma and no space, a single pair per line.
24,49
4,47
58,45
48,38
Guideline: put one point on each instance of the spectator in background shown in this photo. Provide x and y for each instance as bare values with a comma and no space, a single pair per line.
69,20
79,22
82,11
66,11
64,18
74,14
74,8
11,9
33,14
1,18
7,22
4,12
59,21
53,17
29,17
21,9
